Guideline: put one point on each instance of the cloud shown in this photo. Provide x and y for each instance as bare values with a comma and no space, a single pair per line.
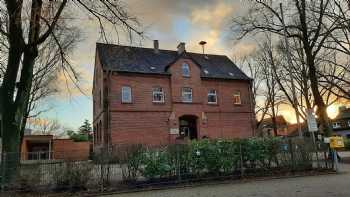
69,87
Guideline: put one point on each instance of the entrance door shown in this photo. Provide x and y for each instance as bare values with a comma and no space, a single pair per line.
188,127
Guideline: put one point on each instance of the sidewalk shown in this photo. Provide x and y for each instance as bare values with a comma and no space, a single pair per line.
314,186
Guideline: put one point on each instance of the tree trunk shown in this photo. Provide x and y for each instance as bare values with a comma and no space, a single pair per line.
321,106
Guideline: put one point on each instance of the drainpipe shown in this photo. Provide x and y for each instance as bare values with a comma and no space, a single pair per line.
108,112
252,117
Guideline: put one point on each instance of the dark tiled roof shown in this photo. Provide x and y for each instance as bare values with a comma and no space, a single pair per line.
145,60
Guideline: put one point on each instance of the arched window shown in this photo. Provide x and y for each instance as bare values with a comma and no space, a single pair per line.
185,70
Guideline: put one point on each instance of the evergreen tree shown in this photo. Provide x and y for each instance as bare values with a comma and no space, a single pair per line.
85,128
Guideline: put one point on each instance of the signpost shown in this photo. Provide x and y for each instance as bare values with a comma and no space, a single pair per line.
312,127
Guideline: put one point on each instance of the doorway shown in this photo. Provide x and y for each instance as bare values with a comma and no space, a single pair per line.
188,127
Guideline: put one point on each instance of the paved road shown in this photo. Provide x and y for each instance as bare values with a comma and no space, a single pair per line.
316,186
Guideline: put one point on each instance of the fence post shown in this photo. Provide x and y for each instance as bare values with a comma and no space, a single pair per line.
3,168
291,149
178,167
241,159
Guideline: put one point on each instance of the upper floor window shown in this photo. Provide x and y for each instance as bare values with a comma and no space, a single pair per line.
158,95
126,94
186,94
336,125
212,97
237,98
185,70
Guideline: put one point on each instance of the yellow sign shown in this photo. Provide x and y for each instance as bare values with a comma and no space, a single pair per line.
336,142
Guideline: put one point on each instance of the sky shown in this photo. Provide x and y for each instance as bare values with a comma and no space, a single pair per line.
168,21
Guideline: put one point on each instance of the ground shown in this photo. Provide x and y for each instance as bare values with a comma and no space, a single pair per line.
312,186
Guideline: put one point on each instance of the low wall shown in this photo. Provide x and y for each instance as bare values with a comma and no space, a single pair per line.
67,149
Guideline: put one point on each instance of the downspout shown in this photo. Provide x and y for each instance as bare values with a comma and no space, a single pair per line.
109,134
252,117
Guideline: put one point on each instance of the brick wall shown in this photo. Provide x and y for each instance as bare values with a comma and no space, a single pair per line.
67,149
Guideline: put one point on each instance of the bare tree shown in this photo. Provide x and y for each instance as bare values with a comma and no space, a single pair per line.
310,22
25,36
266,91
45,126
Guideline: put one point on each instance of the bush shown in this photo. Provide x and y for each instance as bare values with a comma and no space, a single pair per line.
130,159
156,164
73,176
347,144
214,156
28,177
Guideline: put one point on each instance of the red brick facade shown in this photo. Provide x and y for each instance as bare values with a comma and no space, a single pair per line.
43,147
146,122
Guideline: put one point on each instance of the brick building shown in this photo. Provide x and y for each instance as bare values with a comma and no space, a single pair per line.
46,147
154,96
266,128
341,123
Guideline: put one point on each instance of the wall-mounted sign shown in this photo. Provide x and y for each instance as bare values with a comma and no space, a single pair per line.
174,131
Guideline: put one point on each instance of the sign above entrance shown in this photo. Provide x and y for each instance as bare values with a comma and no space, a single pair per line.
174,131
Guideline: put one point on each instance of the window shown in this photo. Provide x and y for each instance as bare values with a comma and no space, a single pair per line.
237,98
212,97
185,70
187,94
126,94
348,123
336,125
158,95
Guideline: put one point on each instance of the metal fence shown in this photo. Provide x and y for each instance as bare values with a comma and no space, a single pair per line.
132,166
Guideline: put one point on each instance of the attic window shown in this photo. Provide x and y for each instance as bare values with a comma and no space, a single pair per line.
185,70
231,74
206,71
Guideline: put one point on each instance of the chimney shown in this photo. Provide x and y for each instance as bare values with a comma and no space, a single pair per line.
181,48
156,46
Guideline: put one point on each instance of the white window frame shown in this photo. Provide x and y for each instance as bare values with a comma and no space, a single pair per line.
183,94
336,125
126,90
235,95
158,90
186,72
212,92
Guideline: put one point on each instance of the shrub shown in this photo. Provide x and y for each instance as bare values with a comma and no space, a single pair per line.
130,159
28,177
214,156
156,164
73,176
347,144
179,156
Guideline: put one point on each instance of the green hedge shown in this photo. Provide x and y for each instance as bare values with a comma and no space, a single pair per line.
218,157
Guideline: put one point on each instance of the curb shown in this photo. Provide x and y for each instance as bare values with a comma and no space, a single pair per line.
215,182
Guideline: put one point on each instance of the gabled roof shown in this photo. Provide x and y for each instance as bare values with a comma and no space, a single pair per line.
144,60
280,121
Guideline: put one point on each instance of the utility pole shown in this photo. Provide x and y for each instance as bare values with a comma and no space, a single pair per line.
289,59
